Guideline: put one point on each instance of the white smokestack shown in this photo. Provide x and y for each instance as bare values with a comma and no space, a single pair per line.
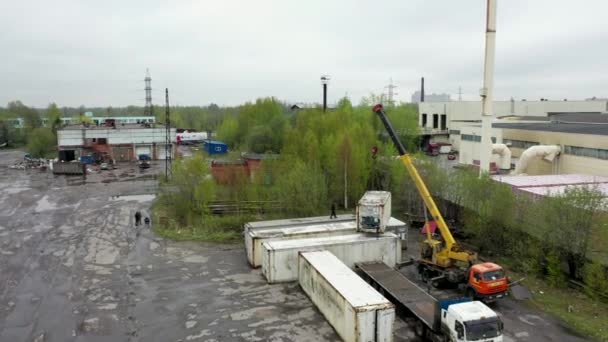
487,90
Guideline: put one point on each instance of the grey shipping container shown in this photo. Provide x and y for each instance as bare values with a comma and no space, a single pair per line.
280,258
68,168
355,309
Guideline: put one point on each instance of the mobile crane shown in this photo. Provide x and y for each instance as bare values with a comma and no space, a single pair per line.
442,261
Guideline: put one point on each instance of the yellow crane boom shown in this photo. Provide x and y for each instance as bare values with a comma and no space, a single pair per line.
450,252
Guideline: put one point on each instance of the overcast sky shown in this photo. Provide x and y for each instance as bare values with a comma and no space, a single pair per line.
95,53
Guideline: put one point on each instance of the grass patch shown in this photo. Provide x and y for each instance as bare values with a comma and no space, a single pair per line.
582,314
198,234
227,229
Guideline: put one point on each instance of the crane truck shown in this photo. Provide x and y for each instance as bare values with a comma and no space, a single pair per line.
445,260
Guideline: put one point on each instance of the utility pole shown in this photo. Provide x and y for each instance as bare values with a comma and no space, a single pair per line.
487,90
325,80
391,93
459,93
168,142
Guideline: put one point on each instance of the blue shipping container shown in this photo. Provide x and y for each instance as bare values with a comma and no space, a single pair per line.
215,147
87,159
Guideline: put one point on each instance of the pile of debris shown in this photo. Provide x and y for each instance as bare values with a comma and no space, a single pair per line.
30,163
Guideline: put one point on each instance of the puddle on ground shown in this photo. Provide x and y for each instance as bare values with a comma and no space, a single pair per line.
44,204
138,198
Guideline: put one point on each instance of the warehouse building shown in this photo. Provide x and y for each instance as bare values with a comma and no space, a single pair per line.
443,121
583,145
122,142
578,128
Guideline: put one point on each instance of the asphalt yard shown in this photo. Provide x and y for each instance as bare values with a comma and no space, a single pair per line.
74,267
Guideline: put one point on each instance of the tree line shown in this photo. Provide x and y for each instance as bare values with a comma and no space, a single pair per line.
313,159
559,237
40,141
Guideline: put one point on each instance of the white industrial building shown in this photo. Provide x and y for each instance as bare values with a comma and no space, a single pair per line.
443,121
577,129
119,143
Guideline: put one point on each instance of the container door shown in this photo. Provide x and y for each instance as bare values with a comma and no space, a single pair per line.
365,329
384,325
121,154
161,152
143,149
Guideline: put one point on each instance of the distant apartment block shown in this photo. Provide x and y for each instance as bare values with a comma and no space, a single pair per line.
430,97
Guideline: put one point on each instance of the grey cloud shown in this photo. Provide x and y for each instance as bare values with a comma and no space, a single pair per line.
228,52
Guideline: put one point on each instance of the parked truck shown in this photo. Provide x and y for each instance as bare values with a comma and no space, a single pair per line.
143,160
454,320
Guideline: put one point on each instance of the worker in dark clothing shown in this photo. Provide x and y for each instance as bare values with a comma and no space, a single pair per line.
333,211
137,218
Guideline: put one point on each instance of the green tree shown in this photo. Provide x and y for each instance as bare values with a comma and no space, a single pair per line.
189,190
596,279
30,116
555,275
5,131
344,104
302,188
41,142
53,115
260,139
228,131
567,222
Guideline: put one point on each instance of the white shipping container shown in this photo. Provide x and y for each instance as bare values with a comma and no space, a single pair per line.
300,221
280,258
355,309
374,211
254,237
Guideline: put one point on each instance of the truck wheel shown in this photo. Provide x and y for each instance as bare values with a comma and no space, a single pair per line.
425,276
470,293
419,329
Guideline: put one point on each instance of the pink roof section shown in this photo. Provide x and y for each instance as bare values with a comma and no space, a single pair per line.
560,189
550,185
550,180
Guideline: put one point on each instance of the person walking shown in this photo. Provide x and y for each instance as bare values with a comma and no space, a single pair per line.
137,218
333,211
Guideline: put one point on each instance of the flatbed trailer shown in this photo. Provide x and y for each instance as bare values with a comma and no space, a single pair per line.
411,301
457,319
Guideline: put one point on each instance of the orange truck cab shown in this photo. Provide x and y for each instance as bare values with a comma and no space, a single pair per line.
486,282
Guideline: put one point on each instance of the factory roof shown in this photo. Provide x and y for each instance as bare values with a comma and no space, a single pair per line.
118,126
555,185
578,117
573,128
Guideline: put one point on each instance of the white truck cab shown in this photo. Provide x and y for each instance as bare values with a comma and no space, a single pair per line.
471,321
